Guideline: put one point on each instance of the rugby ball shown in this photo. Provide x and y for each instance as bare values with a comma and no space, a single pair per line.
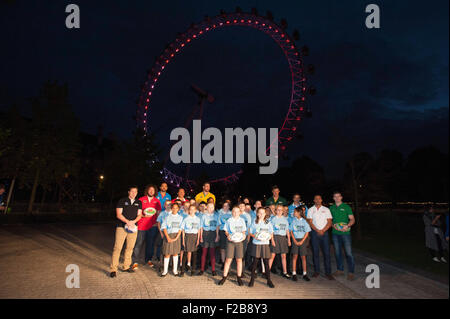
263,236
149,211
340,226
237,237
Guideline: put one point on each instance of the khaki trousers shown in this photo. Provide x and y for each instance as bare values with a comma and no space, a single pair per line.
121,235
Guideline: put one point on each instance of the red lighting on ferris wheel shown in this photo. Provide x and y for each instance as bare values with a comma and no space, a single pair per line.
279,35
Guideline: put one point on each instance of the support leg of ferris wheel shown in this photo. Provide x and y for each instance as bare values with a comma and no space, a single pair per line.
202,97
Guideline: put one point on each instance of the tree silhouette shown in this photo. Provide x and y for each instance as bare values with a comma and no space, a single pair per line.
53,142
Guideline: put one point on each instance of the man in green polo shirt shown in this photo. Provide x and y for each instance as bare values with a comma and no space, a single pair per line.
343,219
276,199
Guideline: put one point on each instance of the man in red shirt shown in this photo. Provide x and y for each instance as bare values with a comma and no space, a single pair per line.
147,230
180,196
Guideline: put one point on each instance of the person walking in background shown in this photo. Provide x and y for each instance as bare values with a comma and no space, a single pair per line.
343,219
320,219
128,213
434,236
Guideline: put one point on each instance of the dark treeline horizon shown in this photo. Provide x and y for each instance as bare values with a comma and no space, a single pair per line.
52,161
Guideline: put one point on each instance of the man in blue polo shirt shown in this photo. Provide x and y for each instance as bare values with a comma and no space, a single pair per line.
163,196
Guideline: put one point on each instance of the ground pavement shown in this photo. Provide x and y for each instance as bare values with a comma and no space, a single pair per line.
33,261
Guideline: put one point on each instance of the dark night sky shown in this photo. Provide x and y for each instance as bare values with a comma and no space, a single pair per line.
385,88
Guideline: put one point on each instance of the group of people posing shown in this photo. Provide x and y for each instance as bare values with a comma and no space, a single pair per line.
186,231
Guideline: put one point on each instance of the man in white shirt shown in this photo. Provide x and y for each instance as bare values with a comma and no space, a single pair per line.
320,219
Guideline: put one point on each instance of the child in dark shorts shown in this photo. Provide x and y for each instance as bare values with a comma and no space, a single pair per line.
190,227
299,229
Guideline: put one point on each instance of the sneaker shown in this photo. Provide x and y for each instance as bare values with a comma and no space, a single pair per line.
286,275
436,259
200,273
315,275
149,263
113,274
181,274
443,260
338,273
351,276
214,273
163,274
270,284
134,266
329,277
176,274
294,278
306,278
222,281
239,281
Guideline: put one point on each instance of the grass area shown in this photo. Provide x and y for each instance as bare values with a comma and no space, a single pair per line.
405,249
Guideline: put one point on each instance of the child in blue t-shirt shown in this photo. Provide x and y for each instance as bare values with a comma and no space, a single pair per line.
224,215
299,229
159,220
282,238
235,250
260,249
191,231
209,238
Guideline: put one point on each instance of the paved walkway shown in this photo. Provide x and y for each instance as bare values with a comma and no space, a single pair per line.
33,259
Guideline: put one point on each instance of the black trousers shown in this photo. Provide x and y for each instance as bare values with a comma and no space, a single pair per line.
256,262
